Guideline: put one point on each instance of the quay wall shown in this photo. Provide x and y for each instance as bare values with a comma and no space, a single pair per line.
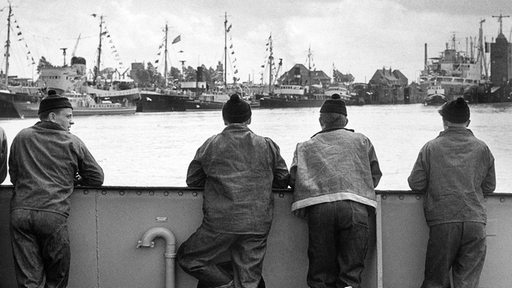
106,224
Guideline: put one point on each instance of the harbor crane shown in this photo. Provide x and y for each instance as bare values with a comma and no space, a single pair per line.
76,45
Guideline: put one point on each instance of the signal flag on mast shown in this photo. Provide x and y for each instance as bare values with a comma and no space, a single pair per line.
176,40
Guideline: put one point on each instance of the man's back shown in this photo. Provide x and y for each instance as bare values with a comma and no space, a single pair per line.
454,169
43,162
239,168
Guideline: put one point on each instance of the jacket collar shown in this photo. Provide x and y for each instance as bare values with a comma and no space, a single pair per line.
456,130
332,129
49,125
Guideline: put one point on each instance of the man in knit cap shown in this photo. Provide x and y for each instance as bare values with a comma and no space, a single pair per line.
45,163
237,170
334,175
454,171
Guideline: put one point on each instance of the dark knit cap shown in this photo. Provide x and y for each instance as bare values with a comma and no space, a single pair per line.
53,101
456,111
334,105
236,110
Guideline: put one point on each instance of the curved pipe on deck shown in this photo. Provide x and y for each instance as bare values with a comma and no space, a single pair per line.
147,241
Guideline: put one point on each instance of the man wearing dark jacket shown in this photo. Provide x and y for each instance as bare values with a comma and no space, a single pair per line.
237,169
45,163
454,171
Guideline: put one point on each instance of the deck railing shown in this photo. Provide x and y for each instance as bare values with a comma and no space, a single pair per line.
106,223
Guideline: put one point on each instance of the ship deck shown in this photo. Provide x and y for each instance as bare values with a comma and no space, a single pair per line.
107,222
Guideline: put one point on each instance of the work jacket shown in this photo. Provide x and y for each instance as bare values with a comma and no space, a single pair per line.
334,165
43,163
454,170
238,169
3,155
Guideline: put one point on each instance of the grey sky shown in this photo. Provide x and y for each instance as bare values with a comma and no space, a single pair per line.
355,36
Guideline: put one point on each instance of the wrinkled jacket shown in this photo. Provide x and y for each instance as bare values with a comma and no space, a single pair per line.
43,162
454,170
237,169
3,155
334,165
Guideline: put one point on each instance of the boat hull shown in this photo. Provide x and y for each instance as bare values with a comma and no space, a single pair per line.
290,103
157,102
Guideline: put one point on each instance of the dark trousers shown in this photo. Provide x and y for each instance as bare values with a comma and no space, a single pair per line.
338,242
460,247
40,246
200,255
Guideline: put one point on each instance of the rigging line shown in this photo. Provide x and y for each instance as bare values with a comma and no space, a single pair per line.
59,39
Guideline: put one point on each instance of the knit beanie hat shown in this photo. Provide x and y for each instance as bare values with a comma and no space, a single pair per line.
53,101
334,105
236,110
456,111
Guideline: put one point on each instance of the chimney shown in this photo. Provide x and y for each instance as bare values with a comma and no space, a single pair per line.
426,57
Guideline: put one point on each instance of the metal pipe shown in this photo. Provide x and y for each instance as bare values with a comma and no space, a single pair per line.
147,241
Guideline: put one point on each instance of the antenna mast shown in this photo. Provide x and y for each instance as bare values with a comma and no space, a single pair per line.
225,49
500,19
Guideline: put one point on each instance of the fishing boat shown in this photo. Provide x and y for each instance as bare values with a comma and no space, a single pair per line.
99,97
13,93
166,98
295,94
435,95
213,98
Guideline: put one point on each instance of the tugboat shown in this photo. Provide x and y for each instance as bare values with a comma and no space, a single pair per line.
435,96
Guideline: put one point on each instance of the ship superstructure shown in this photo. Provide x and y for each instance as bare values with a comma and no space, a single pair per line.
454,70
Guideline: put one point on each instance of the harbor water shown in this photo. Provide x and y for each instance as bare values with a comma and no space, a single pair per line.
154,149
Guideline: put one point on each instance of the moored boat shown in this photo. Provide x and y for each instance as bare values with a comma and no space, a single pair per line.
435,95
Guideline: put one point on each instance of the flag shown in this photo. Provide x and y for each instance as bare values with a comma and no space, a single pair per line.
176,40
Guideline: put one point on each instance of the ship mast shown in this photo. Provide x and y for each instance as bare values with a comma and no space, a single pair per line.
309,68
8,45
270,62
165,55
225,49
98,61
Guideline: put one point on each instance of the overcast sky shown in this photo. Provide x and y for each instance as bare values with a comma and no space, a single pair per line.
356,37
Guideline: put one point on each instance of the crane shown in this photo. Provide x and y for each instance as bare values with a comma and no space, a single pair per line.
76,45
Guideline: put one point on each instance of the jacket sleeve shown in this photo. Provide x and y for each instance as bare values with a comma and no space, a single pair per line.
281,174
293,169
3,156
418,180
13,167
196,177
89,171
374,165
489,182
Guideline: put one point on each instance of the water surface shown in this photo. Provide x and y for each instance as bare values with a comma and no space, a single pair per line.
154,149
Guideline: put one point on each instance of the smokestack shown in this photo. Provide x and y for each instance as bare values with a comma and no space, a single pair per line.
426,57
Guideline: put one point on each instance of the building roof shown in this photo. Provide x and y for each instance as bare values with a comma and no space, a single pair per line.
388,77
300,72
